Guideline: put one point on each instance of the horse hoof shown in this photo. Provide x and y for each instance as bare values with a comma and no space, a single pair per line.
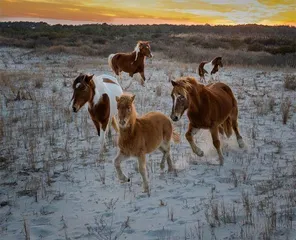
221,161
124,180
241,143
200,153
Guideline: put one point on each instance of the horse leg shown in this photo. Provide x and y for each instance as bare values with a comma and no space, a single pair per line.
143,78
114,124
103,135
97,125
102,141
165,149
239,138
118,159
109,128
189,136
216,143
163,157
142,170
221,130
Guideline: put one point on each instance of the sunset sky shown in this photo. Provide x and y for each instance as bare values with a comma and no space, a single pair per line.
270,12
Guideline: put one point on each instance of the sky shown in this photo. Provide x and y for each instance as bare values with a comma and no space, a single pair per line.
214,12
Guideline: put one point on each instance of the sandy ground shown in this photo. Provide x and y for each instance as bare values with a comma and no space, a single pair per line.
54,186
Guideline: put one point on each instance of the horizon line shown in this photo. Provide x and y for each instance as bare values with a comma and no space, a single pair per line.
53,22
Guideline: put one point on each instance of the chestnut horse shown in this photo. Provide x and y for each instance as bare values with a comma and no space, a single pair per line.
211,67
99,92
141,135
131,62
212,107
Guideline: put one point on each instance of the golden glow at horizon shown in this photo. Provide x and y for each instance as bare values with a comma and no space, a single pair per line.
270,12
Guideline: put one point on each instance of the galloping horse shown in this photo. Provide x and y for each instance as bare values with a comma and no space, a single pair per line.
212,107
131,62
141,135
99,92
211,67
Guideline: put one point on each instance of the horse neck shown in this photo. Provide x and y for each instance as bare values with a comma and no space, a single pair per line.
140,57
194,99
92,101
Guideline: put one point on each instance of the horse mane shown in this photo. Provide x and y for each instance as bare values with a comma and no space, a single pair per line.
184,84
137,50
215,60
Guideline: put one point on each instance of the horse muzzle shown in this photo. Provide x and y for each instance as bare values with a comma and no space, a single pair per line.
75,108
174,118
122,123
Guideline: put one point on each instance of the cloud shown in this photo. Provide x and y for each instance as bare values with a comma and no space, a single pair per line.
158,11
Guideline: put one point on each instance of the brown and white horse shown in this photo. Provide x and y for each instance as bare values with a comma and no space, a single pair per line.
212,107
141,135
133,62
100,93
211,68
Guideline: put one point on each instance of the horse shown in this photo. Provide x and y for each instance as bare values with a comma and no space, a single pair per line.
211,67
141,135
133,62
212,107
100,92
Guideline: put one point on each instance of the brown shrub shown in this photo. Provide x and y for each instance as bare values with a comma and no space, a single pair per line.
290,82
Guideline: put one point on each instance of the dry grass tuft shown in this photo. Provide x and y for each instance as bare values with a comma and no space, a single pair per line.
290,82
285,108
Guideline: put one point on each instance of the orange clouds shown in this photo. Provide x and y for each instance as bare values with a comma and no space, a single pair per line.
153,12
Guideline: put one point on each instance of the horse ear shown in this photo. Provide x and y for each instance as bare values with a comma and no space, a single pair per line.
133,97
117,98
174,83
88,78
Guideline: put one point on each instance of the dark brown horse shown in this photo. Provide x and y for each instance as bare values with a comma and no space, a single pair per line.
212,107
133,62
211,67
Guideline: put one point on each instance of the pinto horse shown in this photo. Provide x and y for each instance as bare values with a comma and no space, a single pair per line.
133,62
99,92
211,67
141,135
212,107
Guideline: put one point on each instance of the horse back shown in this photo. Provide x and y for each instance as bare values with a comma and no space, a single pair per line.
216,102
220,89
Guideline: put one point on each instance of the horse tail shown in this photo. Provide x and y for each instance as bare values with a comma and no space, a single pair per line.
110,61
176,136
227,127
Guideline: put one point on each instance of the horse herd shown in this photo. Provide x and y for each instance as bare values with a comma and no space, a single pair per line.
212,106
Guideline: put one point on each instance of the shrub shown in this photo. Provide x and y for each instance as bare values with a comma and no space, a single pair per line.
290,82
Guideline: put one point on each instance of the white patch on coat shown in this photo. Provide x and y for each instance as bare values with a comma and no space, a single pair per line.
111,89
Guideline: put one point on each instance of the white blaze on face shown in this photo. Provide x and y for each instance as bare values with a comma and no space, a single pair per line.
175,103
175,100
77,85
